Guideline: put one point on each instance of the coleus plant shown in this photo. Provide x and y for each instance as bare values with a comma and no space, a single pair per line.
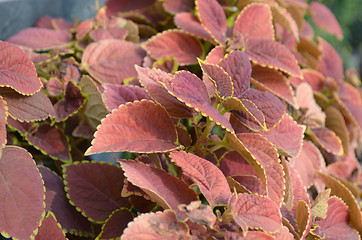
233,120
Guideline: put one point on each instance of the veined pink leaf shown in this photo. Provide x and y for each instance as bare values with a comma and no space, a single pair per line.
327,139
178,6
142,127
335,225
223,85
330,63
168,191
3,121
233,163
286,136
325,19
51,141
102,181
115,95
307,162
266,79
41,38
272,54
255,21
115,224
153,80
50,229
54,87
21,186
115,6
159,225
237,65
112,60
257,212
57,202
213,18
17,71
206,175
189,23
175,43
109,33
190,89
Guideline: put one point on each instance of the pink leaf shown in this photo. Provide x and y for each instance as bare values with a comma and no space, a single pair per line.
175,43
17,71
233,163
206,175
112,60
50,229
327,139
142,127
189,23
21,187
178,6
110,33
330,63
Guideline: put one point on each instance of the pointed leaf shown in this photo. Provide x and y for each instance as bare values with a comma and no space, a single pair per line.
153,80
112,60
327,139
17,71
255,21
159,225
142,127
115,224
57,202
175,43
189,23
325,19
21,187
303,218
272,54
50,229
206,175
335,225
116,95
257,212
286,136
213,18
330,63
28,108
41,38
102,181
163,188
178,6
51,141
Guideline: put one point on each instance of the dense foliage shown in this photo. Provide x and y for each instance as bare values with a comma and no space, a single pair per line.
233,119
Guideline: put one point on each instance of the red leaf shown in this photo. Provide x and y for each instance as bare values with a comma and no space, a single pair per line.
141,127
56,201
175,43
216,55
115,224
50,229
112,60
116,95
115,6
257,212
51,141
17,71
102,181
153,80
272,54
287,136
21,187
72,102
335,225
327,139
206,175
192,91
330,63
255,21
189,23
41,38
251,183
213,19
314,78
286,19
168,191
159,225
325,19
178,6
233,163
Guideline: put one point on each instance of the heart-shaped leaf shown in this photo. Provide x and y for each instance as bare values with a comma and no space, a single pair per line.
112,60
21,186
206,175
175,43
17,71
213,19
142,127
115,224
168,191
102,181
50,229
